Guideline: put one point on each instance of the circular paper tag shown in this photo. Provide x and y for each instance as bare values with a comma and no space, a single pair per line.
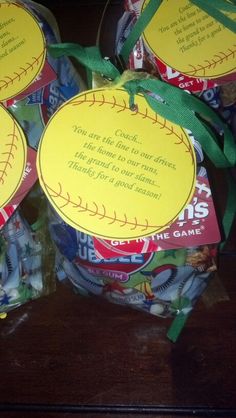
190,41
13,151
22,52
113,172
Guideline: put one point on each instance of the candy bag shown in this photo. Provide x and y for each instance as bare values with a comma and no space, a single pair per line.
163,274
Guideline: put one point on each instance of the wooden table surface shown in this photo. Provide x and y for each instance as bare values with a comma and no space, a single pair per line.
69,356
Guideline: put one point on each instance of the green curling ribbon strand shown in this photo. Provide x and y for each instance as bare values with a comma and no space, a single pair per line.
89,57
176,327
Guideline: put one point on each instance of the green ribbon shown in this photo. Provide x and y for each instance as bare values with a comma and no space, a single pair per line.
177,326
139,27
182,308
89,57
189,112
213,8
226,6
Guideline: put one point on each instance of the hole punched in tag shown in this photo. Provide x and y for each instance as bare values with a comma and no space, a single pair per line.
119,63
134,107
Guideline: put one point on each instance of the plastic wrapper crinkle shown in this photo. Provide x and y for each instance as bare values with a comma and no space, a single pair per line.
162,283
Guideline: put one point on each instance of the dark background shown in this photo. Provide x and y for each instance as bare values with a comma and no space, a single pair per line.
69,356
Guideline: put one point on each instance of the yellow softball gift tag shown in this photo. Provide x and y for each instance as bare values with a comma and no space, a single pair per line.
114,172
187,39
22,52
13,153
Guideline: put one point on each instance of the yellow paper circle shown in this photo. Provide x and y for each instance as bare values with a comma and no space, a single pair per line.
22,49
113,172
190,41
13,151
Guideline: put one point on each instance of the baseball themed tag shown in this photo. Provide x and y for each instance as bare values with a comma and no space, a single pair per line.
112,171
22,52
198,45
13,153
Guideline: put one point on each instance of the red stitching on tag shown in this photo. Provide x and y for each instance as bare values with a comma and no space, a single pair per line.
124,106
8,155
84,207
7,80
220,58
